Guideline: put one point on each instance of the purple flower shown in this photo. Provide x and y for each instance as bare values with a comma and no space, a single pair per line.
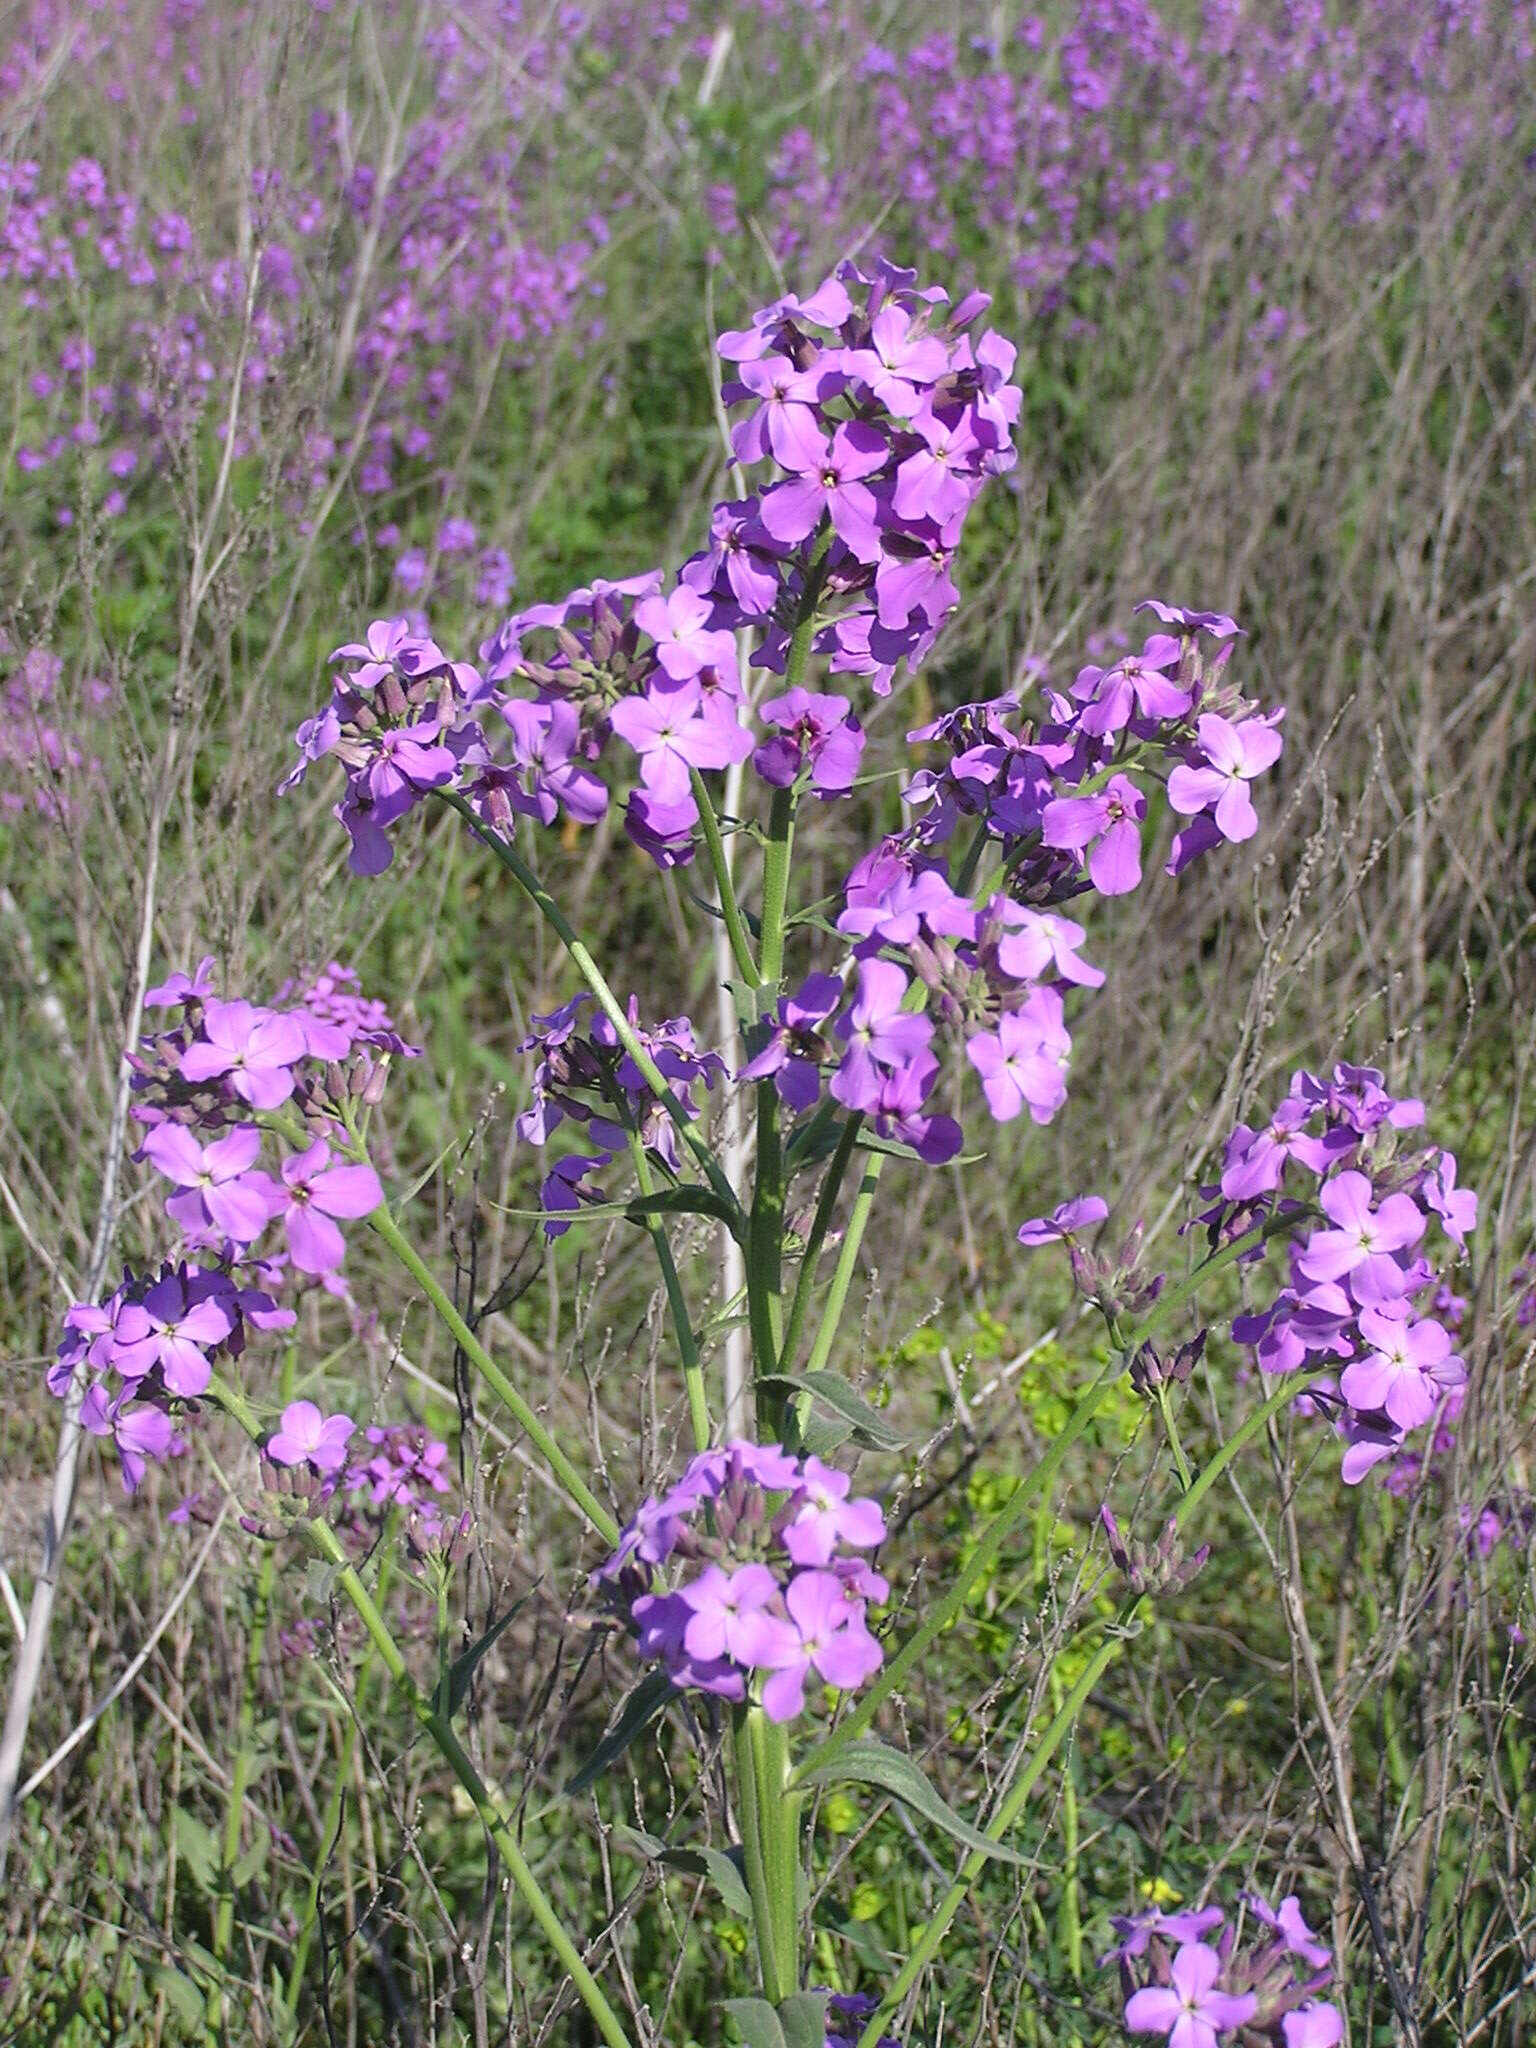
1038,943
685,645
1315,2025
942,476
828,1637
1363,1243
1456,1207
1190,2010
222,1193
378,651
672,733
1235,754
312,1194
819,732
255,1048
894,909
829,475
1407,1369
305,1436
171,1332
795,1048
823,1516
1066,1218
1286,1921
1107,826
878,1033
546,744
177,989
898,1112
1137,682
727,1617
1021,1063
1217,624
1137,1929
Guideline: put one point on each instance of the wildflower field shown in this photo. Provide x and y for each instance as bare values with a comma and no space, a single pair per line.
767,958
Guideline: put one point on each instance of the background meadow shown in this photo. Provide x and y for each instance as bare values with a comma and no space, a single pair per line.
319,313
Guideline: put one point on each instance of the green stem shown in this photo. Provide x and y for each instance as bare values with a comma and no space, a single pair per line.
559,1464
847,1262
725,887
765,1249
805,1286
592,974
325,1540
677,1302
241,1774
777,849
750,1813
779,1818
1175,1443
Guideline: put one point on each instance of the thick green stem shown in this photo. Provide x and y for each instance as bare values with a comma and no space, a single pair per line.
847,1262
593,976
777,850
805,1285
765,1251
725,887
769,1818
749,1812
559,1464
677,1302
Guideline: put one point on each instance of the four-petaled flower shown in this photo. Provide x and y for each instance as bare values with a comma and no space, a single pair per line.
305,1436
1190,2010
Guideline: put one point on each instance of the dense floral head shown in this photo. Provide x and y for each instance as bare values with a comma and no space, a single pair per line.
1369,1202
768,1588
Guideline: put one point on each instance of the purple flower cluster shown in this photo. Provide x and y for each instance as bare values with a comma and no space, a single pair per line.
883,419
1193,1983
42,761
398,723
200,1089
588,1078
398,1467
1362,1289
770,1590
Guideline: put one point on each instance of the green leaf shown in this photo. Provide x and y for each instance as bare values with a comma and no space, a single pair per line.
868,1762
252,1861
803,2018
181,1994
758,2021
723,1867
822,1438
198,1847
649,1698
692,1200
462,1670
869,1426
893,1150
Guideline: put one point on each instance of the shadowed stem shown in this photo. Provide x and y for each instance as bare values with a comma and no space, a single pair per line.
677,1302
720,867
805,1286
576,1488
847,1262
323,1539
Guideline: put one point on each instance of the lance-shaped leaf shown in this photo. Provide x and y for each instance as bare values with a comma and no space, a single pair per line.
649,1698
462,1670
866,1425
868,1762
690,1200
723,1867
